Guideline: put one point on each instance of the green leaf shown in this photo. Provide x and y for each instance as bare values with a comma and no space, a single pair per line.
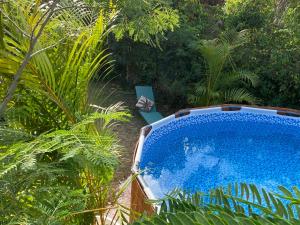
174,219
228,218
265,194
255,193
159,221
215,219
286,191
201,218
185,218
245,189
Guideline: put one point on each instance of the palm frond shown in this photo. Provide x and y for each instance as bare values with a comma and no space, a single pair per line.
215,55
216,83
238,95
232,78
56,209
60,78
59,145
235,38
200,95
237,204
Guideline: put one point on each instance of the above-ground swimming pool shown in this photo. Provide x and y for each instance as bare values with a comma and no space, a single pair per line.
201,149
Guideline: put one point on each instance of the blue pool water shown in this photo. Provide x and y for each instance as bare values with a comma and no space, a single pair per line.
212,150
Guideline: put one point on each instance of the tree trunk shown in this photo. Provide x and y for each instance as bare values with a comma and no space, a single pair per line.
33,40
281,6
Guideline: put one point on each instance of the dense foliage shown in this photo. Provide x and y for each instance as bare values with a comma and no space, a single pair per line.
271,51
218,86
172,66
57,155
51,178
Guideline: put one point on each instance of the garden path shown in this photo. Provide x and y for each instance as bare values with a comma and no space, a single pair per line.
127,132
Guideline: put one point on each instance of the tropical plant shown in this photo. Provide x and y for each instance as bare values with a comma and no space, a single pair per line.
237,204
80,161
57,157
220,85
54,85
272,51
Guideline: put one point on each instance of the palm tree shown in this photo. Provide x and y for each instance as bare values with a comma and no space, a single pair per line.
220,85
53,88
240,204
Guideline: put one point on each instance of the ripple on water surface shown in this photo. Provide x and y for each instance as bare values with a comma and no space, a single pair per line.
212,150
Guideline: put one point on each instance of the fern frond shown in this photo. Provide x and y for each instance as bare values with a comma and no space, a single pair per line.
88,149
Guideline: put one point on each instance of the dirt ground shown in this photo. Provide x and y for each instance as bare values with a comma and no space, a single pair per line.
127,132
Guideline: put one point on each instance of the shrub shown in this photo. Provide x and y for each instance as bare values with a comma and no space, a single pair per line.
247,14
273,53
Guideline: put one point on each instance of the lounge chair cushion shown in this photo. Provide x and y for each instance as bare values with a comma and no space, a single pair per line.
144,104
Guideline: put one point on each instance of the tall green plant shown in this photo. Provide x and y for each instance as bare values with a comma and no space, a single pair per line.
57,157
222,84
80,160
55,82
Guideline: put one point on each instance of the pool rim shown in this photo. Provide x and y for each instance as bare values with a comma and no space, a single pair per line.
146,130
